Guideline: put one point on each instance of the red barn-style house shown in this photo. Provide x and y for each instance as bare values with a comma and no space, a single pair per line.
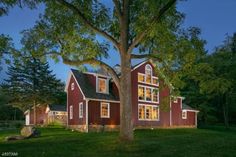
93,102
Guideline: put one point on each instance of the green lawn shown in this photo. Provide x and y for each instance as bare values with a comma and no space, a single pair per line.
59,142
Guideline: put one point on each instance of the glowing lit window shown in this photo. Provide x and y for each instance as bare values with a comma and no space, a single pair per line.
72,86
141,112
184,114
148,94
141,77
155,113
102,85
155,81
155,95
141,93
71,112
148,112
105,110
148,72
81,110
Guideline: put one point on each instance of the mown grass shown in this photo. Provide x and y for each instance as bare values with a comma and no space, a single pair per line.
60,142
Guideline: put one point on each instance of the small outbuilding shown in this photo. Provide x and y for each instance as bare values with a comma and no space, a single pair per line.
46,114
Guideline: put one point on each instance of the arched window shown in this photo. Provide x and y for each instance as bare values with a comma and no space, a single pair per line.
148,72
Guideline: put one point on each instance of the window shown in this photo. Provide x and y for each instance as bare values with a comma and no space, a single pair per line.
105,110
148,94
102,85
141,112
184,114
71,112
148,72
141,77
81,110
155,81
155,95
72,86
141,93
148,112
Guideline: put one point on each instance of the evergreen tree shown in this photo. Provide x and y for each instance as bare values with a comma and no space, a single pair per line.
31,83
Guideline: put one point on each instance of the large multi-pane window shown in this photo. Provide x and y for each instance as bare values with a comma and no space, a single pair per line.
141,93
155,81
105,110
148,112
148,94
102,85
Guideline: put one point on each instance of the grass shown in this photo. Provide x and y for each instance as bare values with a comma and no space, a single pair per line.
60,142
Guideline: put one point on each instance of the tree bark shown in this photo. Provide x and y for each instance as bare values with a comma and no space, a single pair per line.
126,124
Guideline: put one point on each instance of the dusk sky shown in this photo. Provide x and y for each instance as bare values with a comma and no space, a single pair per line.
215,18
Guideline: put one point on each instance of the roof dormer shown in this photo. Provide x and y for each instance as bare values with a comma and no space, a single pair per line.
102,85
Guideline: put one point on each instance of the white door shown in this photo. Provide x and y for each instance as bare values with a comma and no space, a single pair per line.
27,119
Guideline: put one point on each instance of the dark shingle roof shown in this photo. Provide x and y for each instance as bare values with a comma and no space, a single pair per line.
89,90
186,107
54,107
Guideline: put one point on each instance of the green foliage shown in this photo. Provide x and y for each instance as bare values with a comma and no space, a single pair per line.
31,81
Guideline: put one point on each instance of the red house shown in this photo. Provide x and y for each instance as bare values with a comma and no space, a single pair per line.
93,102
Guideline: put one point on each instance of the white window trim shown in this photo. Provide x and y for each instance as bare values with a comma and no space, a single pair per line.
108,107
97,85
151,94
71,112
158,118
72,86
81,112
144,77
157,85
184,117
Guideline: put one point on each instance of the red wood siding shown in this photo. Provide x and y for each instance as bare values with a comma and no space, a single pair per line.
74,98
177,115
94,116
164,117
41,116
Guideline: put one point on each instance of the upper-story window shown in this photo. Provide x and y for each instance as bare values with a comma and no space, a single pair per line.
148,77
102,85
148,72
72,86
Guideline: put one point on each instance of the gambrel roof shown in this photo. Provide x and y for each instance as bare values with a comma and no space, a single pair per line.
89,90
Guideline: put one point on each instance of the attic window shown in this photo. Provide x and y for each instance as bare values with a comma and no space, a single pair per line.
148,72
102,85
72,86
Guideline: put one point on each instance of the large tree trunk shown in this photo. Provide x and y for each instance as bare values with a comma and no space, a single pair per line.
126,124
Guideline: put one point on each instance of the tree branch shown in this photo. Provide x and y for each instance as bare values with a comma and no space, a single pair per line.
155,20
118,9
148,56
88,23
103,65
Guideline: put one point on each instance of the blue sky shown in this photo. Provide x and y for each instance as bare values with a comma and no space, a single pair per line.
214,18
